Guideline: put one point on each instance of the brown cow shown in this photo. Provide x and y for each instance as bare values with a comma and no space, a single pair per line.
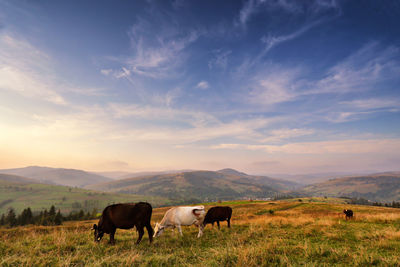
217,214
124,216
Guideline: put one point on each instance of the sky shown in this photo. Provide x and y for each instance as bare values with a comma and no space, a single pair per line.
262,86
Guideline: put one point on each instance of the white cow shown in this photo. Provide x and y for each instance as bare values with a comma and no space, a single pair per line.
175,217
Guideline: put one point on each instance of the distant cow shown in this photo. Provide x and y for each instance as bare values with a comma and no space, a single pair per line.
124,216
178,216
349,214
218,214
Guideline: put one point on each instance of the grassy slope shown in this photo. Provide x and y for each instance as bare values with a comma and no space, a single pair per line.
380,187
299,233
42,196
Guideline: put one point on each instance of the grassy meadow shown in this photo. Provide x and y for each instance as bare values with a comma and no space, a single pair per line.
311,232
42,196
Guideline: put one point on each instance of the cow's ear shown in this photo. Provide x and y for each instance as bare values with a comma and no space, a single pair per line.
94,227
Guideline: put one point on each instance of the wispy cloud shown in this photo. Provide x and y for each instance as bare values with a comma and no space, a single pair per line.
373,103
311,8
271,41
220,59
274,85
279,135
361,108
361,71
22,68
29,72
365,70
252,7
353,146
189,126
157,55
106,72
203,85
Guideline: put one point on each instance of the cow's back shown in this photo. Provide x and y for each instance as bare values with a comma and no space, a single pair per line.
125,216
183,215
218,213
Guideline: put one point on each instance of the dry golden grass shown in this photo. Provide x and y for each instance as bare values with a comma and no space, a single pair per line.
310,234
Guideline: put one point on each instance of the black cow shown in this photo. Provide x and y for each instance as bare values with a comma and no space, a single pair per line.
349,214
124,216
218,214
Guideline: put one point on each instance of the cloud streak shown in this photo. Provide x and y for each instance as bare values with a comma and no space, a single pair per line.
21,70
351,146
155,56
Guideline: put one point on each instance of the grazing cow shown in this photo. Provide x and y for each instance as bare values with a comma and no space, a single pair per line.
218,214
349,214
178,216
124,216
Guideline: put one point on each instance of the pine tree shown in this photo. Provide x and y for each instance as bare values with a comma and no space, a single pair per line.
44,219
52,211
58,218
81,214
11,218
21,218
3,219
52,215
29,216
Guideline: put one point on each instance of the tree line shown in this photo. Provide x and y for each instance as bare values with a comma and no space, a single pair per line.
46,217
363,201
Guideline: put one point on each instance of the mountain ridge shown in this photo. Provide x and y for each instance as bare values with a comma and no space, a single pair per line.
381,187
59,176
203,185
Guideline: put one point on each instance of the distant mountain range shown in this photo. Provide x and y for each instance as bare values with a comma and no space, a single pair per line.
312,178
382,187
58,176
192,186
201,185
124,175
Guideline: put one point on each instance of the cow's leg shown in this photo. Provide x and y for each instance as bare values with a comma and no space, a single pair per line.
218,225
179,229
150,231
229,222
112,233
213,224
141,233
201,227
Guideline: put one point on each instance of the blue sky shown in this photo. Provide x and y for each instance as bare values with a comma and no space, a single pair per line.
262,86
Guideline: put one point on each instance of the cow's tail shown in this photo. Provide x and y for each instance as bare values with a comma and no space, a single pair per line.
198,212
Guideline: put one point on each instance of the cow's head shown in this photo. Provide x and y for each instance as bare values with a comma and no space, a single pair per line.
158,230
98,233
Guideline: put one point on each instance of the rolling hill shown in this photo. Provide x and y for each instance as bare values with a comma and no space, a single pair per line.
197,185
281,185
58,176
22,193
382,187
